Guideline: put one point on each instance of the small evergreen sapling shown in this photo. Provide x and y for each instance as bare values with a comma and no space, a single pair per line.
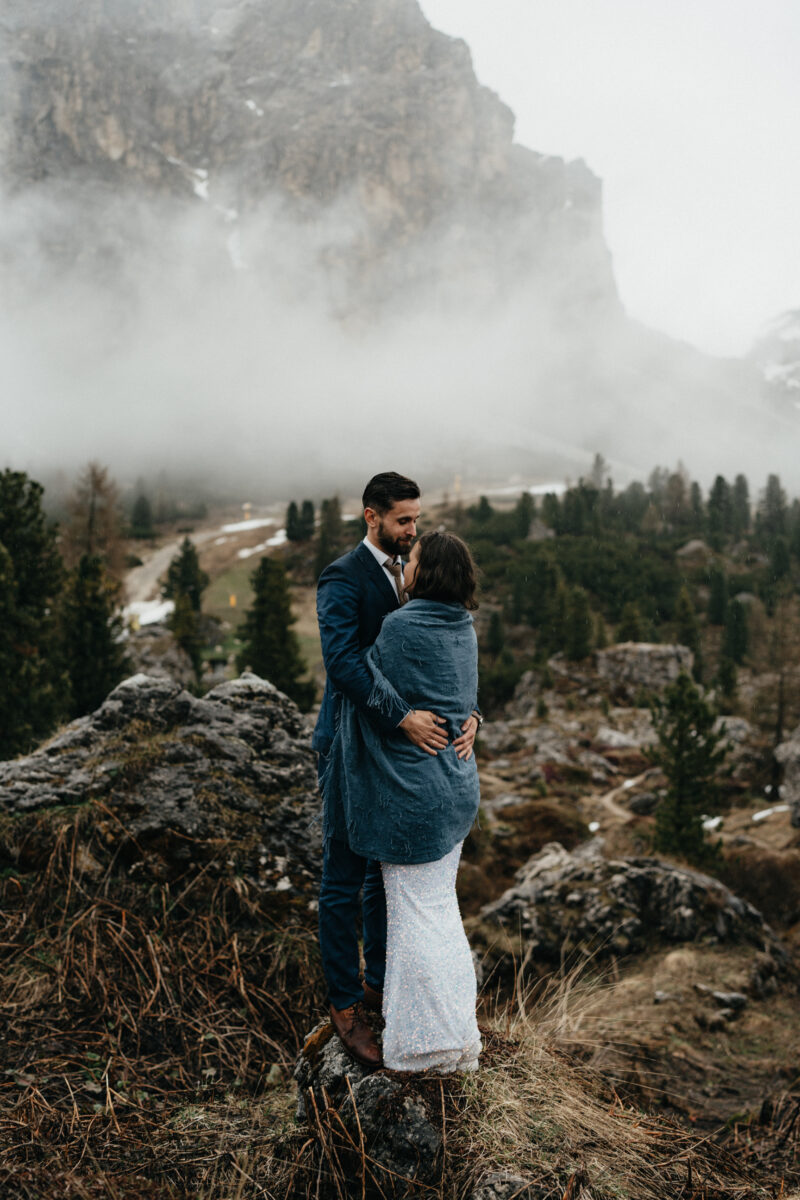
690,752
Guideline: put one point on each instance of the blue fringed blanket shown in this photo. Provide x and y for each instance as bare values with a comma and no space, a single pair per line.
390,800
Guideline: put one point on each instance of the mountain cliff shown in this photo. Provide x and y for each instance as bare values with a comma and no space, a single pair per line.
339,157
358,104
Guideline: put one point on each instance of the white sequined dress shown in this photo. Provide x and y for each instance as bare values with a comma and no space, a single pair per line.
429,992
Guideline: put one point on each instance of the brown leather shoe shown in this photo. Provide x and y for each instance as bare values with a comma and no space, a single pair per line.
373,999
356,1035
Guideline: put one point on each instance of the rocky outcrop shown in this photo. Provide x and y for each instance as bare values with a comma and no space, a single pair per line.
226,780
564,903
153,651
635,668
788,755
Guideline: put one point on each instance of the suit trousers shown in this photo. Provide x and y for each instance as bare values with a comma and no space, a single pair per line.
346,877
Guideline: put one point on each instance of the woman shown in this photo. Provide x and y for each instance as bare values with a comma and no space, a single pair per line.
411,810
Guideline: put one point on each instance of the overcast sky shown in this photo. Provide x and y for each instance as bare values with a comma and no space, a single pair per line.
689,111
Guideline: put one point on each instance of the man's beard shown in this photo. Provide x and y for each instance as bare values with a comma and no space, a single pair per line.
392,546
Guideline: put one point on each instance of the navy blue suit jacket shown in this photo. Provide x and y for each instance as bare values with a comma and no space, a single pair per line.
353,597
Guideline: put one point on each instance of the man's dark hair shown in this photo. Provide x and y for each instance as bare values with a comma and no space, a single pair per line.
446,570
384,490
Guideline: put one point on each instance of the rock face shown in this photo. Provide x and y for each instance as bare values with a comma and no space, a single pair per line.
635,667
564,902
357,104
229,778
788,754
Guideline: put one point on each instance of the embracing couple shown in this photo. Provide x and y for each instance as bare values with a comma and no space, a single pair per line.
399,784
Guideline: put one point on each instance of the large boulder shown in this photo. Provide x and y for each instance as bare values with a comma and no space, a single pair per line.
229,778
566,902
632,668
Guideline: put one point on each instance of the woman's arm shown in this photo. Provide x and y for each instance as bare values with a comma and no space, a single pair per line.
421,727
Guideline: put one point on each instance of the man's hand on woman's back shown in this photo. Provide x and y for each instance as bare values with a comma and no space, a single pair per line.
423,728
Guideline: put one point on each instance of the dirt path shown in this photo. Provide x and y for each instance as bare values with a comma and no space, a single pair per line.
141,583
608,799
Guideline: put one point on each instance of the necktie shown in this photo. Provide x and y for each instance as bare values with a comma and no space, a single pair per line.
396,569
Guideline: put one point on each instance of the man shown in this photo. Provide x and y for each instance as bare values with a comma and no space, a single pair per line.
354,595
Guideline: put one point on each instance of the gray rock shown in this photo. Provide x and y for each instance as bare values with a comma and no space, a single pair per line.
184,776
397,1122
324,1067
398,1129
564,902
634,667
644,803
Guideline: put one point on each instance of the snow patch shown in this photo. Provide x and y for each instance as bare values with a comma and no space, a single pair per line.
148,612
768,812
252,523
251,104
278,540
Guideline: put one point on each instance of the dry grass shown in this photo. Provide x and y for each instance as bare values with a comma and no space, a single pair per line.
148,1030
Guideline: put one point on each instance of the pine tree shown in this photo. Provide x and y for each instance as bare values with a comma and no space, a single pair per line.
718,594
307,522
698,508
35,689
687,630
630,625
330,534
553,626
741,506
94,653
772,509
726,680
184,621
689,752
142,518
578,634
720,512
780,563
483,511
95,521
270,647
495,635
551,512
184,576
524,512
294,532
794,529
735,640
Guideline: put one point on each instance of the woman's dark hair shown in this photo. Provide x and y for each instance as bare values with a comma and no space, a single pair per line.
446,570
384,490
